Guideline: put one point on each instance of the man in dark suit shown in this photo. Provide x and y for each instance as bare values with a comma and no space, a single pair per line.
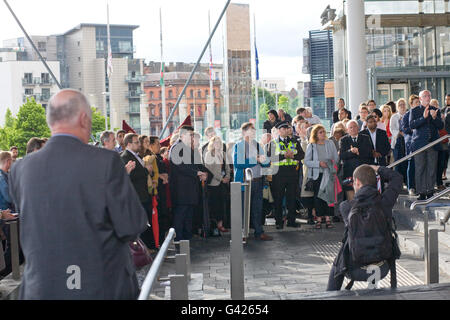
78,212
355,149
380,141
425,121
341,106
184,182
139,179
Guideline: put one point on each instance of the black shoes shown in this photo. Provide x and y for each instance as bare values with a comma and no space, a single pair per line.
280,226
422,197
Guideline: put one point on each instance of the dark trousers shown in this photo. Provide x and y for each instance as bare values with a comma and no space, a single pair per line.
256,206
322,208
216,199
147,236
7,252
426,167
411,174
163,216
399,153
335,281
285,186
441,166
182,220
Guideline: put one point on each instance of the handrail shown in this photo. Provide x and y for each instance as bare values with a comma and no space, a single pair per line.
150,279
425,148
430,200
248,175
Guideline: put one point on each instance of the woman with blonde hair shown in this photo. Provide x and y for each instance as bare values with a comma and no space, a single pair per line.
386,119
321,155
215,161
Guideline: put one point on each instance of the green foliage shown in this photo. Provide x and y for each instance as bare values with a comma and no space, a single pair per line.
98,122
30,122
263,110
7,131
265,97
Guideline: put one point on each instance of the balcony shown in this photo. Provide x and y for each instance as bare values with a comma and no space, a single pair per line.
28,82
135,79
134,94
47,82
37,97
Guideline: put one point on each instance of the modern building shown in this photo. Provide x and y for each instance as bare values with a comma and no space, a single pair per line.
408,49
82,53
318,63
273,85
195,101
238,68
21,79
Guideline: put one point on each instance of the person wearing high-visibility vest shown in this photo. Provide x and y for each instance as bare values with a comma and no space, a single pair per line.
285,154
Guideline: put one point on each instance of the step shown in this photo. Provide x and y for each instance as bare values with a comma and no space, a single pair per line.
195,288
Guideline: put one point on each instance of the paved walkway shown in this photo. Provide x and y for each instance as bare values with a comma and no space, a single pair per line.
297,263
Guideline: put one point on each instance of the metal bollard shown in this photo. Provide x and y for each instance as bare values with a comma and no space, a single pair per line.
14,233
181,265
178,287
246,217
433,256
425,247
186,249
236,247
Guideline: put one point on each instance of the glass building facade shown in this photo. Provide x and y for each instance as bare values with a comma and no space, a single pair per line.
318,50
407,51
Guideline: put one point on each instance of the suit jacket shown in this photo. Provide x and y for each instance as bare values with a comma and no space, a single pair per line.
78,211
336,116
139,177
352,161
184,182
422,127
382,144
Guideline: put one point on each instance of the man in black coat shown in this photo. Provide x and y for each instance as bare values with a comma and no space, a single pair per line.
184,183
341,105
365,185
139,179
379,139
78,212
355,149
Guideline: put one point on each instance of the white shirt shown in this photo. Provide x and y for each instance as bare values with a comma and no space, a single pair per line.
374,141
137,157
314,120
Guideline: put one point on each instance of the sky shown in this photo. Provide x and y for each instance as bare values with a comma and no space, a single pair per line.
280,27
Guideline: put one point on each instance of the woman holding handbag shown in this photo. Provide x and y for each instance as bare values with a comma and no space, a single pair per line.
319,154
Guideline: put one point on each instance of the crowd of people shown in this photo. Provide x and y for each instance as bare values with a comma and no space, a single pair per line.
117,189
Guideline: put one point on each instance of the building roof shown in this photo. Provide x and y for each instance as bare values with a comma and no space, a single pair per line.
100,25
174,76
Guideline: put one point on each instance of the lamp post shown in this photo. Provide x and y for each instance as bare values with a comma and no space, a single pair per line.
105,109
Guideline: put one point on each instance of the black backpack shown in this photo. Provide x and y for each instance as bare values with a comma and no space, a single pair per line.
369,234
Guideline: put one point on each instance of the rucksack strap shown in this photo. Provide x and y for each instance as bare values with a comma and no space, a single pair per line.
350,285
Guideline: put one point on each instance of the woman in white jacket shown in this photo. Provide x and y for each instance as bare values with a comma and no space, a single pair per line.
319,152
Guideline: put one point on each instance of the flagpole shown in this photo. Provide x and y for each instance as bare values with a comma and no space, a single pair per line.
163,85
109,72
257,77
211,109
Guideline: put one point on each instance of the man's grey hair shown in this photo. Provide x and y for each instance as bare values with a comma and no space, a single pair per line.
352,121
106,136
67,110
423,92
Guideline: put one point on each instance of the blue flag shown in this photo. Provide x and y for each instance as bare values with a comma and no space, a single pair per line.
257,63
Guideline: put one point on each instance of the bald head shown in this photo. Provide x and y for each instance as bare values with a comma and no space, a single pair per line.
66,106
69,112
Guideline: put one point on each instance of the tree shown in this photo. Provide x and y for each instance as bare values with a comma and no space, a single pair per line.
98,122
283,103
31,122
264,96
7,131
263,110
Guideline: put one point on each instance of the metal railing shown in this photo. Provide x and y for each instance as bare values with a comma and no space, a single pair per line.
431,241
415,153
247,200
13,242
179,281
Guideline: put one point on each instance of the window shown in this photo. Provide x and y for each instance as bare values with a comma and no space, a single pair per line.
28,78
125,46
100,45
79,74
28,91
192,93
214,93
170,94
79,59
45,94
79,43
42,46
45,77
151,95
207,93
199,94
